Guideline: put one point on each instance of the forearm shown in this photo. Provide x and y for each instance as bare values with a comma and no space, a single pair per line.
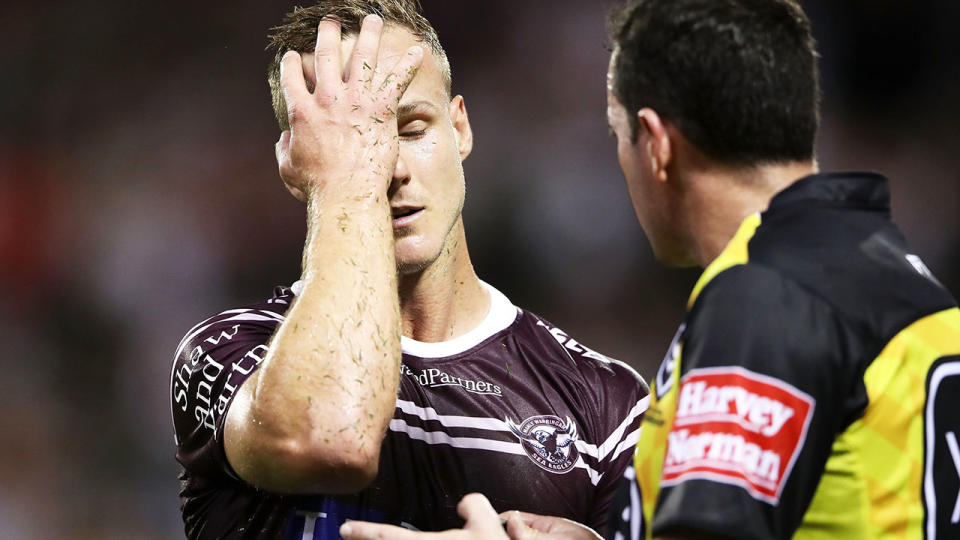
322,398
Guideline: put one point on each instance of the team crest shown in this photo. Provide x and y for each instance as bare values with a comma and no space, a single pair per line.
548,441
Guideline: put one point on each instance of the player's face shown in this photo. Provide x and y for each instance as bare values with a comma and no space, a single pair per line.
650,197
427,192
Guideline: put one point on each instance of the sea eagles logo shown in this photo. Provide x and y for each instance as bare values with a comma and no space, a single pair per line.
548,441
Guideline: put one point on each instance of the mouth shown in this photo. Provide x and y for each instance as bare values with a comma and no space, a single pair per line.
403,216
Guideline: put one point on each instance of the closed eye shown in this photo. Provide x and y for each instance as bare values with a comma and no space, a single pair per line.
413,135
412,129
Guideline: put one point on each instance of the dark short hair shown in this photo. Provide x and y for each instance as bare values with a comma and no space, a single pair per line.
299,33
737,77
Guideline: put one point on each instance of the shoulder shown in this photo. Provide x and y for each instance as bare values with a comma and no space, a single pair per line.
231,342
606,395
753,316
255,318
751,293
546,346
858,262
564,351
211,361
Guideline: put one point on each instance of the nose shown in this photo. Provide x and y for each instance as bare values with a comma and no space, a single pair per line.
401,176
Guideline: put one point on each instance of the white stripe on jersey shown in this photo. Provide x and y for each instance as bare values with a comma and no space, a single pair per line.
476,443
493,424
615,439
629,442
429,413
595,477
440,437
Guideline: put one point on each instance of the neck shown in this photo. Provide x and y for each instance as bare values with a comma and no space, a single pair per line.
721,198
446,299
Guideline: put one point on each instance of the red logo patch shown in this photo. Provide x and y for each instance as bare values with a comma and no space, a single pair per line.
737,427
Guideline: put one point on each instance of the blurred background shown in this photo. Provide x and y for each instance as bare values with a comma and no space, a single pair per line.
139,194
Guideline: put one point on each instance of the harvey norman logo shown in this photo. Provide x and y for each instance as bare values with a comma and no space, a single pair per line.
738,427
434,378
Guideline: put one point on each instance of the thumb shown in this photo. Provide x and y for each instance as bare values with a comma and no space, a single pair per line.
518,530
282,148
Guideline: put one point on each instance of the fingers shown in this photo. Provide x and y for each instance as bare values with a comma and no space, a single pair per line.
518,530
522,517
482,519
292,82
363,61
482,524
397,81
475,506
361,530
524,526
327,55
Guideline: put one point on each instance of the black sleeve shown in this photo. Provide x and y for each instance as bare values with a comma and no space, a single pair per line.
624,516
763,391
211,363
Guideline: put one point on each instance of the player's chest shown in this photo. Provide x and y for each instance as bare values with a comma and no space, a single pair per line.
479,427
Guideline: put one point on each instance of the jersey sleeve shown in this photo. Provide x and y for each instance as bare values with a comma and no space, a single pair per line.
763,391
612,398
211,363
625,399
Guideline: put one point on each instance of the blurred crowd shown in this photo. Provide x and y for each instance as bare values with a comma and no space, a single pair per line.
139,194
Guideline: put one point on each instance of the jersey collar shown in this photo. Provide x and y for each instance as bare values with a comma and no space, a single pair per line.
501,315
864,190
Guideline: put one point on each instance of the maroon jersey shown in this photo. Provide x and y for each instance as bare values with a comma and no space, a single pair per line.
515,409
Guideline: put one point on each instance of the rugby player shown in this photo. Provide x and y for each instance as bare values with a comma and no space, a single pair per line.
812,390
389,381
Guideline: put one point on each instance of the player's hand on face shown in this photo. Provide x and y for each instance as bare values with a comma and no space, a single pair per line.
343,135
482,524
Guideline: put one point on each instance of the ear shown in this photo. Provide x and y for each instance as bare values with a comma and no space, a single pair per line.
653,134
461,126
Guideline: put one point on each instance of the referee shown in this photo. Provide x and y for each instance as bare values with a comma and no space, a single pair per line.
813,388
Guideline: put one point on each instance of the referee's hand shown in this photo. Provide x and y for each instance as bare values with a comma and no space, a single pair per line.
483,523
343,135
526,526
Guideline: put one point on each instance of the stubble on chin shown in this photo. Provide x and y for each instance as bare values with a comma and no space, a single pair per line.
409,268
